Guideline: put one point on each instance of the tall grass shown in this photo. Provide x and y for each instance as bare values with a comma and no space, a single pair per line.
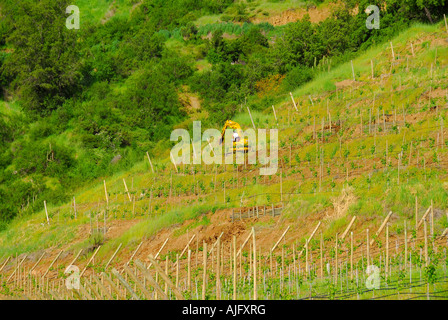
261,120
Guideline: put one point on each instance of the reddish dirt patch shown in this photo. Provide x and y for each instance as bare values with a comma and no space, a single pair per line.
316,15
190,101
229,36
268,232
348,83
437,93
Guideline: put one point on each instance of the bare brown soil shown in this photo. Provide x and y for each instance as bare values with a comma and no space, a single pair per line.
268,231
348,83
316,15
189,100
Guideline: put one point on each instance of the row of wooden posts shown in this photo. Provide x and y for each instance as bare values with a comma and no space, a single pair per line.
295,106
217,251
256,212
281,189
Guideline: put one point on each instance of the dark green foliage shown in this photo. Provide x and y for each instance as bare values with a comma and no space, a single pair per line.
45,64
151,102
299,45
298,76
215,84
190,32
175,13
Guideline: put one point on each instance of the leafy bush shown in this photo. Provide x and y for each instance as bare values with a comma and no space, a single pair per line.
298,76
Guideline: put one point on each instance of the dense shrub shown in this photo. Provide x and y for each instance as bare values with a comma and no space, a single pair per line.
297,76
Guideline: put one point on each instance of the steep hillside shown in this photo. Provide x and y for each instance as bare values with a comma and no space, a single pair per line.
85,150
329,178
89,103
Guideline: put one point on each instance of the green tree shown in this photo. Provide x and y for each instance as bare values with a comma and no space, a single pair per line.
44,65
150,102
432,9
298,45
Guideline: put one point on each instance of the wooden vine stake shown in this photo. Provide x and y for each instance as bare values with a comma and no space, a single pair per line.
216,242
138,283
392,49
46,212
166,271
150,163
310,238
381,227
307,269
75,258
336,257
113,256
368,248
103,288
321,255
353,70
431,221
127,191
276,244
446,25
416,213
423,218
405,245
4,264
164,276
177,270
234,267
189,270
218,276
348,228
426,242
51,264
293,101
186,247
112,285
244,243
135,252
275,115
255,265
158,252
250,115
281,186
105,192
204,274
174,162
74,207
17,269
125,284
351,255
387,250
107,205
88,263
35,265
